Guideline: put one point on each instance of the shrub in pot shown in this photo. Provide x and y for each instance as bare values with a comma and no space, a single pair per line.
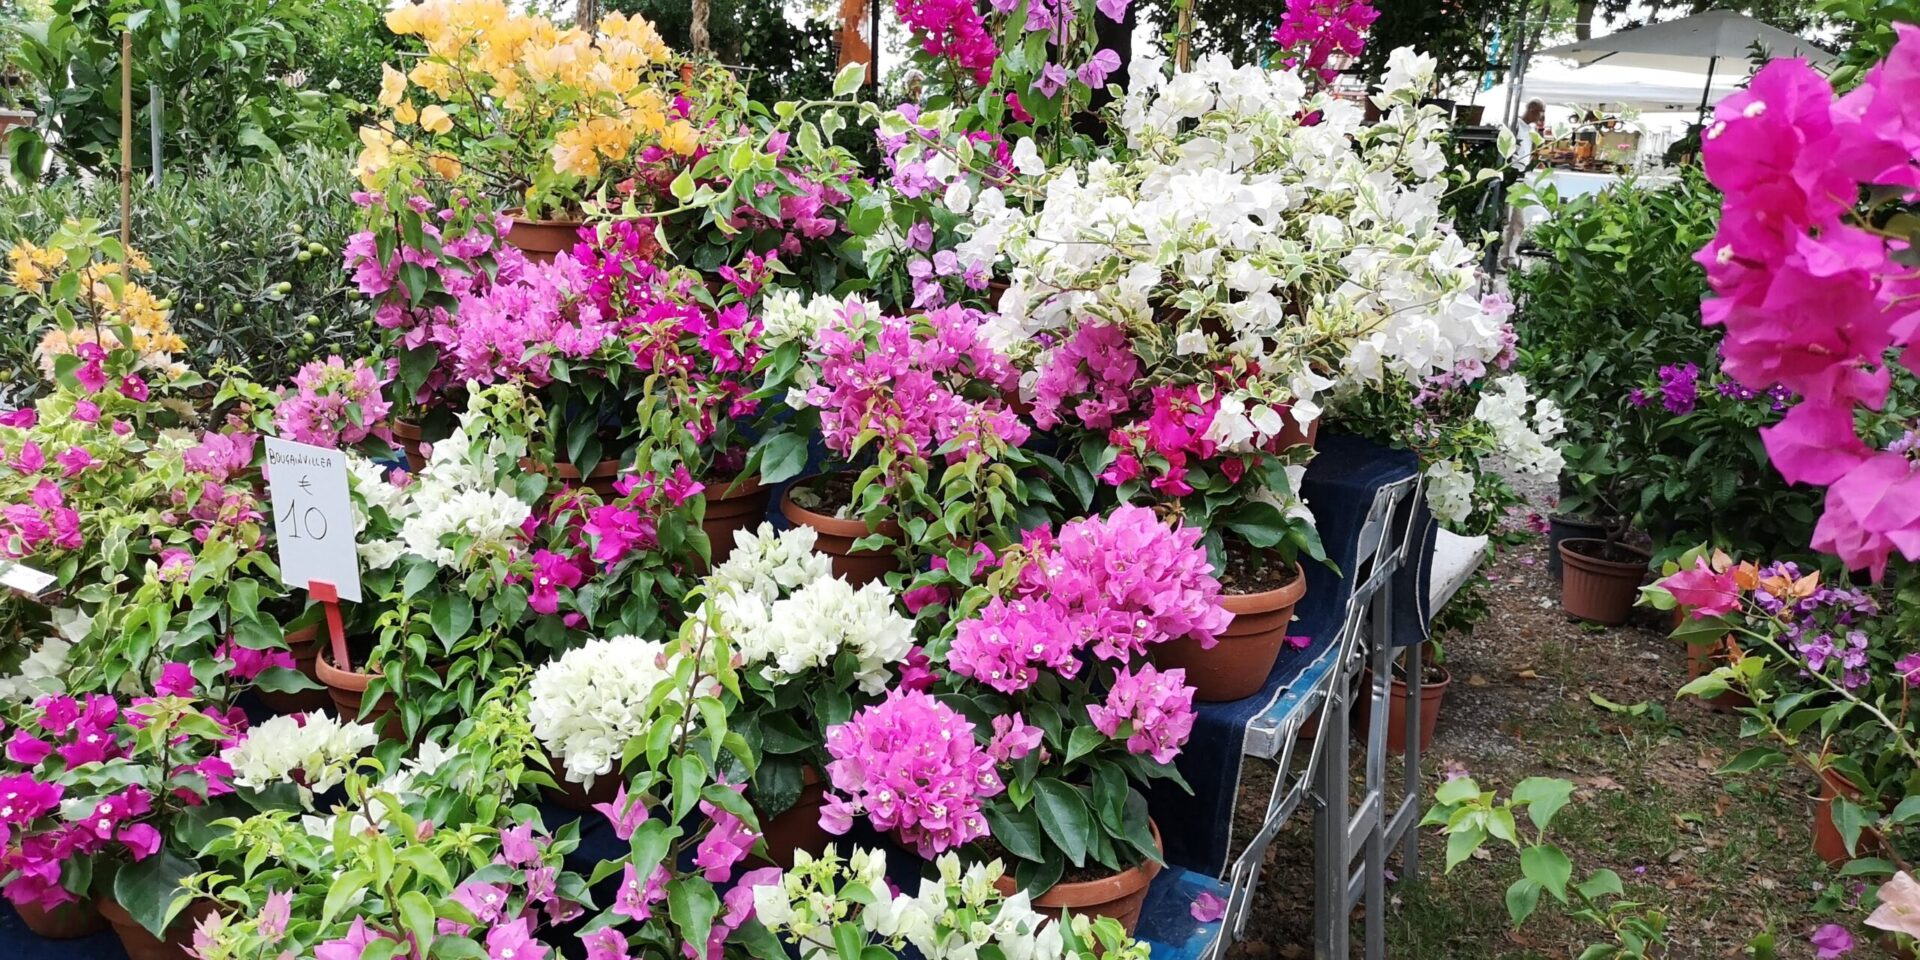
1055,716
925,447
110,799
812,649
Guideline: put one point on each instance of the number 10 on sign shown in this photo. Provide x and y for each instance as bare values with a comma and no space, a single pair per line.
313,516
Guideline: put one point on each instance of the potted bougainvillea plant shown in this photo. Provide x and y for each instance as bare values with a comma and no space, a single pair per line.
1051,713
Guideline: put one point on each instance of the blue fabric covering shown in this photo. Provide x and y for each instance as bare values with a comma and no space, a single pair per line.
1166,919
1339,487
19,943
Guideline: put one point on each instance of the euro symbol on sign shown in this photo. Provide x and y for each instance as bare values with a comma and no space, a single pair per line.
305,483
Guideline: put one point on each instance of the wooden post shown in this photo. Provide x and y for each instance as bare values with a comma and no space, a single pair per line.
126,145
854,47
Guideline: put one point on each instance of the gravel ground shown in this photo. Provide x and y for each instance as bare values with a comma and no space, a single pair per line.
1725,858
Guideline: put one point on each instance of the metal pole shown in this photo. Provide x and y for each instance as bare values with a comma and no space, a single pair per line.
1707,94
126,145
155,125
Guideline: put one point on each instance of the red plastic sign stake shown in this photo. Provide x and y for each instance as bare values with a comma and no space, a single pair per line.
328,596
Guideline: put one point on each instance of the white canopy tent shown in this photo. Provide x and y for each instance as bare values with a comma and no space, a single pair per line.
1693,45
1613,88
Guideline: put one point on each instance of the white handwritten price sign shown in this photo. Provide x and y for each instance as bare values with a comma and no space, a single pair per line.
313,515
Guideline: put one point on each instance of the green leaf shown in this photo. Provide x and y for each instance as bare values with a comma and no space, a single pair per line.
848,938
417,913
1522,897
1602,882
146,889
1461,844
1752,759
1543,796
691,904
1546,865
1906,811
451,617
1458,790
1018,831
845,82
782,457
1850,819
1085,740
1065,817
682,186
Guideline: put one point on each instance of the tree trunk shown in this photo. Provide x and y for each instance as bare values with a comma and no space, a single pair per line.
1583,19
697,29
854,47
586,14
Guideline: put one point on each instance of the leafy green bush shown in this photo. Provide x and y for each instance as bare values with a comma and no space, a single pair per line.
1616,301
248,253
237,78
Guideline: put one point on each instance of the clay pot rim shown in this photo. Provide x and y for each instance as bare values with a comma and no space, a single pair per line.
1840,784
567,471
1441,684
1592,564
737,487
117,915
833,526
1089,893
1267,601
515,214
338,678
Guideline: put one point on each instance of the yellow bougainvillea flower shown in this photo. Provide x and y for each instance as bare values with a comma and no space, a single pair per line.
31,266
444,167
375,155
573,153
434,119
404,113
680,138
433,76
393,86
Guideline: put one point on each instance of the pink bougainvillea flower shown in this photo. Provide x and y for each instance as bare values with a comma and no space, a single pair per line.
625,813
1704,592
1899,909
1831,942
514,941
1207,908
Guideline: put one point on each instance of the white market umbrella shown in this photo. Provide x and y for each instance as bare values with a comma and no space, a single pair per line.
1693,44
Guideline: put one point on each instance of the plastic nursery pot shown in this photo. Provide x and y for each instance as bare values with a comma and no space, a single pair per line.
798,827
541,240
141,945
68,921
1119,896
348,688
733,504
1602,579
1243,654
1828,844
1433,694
305,646
836,539
1561,529
579,797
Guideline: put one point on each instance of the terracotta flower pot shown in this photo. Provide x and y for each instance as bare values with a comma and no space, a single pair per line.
348,688
836,539
1119,896
1828,844
1703,658
1243,655
798,827
412,442
600,479
1432,695
68,921
738,503
541,240
578,797
305,645
141,945
1598,589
